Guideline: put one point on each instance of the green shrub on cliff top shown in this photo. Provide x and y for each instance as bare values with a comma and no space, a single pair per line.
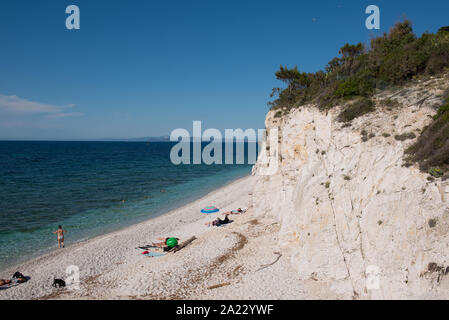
356,109
392,59
432,147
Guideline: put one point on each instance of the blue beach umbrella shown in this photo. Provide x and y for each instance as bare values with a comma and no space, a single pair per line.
210,209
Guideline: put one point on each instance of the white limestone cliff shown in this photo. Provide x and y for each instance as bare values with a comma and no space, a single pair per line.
355,222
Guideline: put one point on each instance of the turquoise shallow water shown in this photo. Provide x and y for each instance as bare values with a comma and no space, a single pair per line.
81,185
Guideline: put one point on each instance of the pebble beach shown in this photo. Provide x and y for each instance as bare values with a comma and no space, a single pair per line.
235,261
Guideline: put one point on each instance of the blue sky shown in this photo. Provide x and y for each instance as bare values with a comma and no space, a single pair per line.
143,68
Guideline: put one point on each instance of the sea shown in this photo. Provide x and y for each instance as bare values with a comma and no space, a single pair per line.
92,188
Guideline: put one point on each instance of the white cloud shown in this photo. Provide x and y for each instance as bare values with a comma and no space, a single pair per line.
65,115
17,105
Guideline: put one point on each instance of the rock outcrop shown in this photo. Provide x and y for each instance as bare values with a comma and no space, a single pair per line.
355,221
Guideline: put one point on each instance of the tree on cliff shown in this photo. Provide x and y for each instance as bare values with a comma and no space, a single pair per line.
393,59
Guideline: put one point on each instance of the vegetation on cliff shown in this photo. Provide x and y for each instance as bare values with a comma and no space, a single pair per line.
392,60
431,150
359,72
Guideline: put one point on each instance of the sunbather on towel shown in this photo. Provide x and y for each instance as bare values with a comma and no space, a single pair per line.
218,222
238,211
4,282
169,242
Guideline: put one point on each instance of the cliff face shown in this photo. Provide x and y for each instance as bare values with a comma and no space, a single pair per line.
355,222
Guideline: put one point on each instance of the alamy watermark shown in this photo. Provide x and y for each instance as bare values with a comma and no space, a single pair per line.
73,277
73,20
372,278
190,148
373,21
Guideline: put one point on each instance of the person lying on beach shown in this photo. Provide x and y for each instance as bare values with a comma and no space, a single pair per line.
169,242
218,222
4,282
16,279
60,233
19,278
238,211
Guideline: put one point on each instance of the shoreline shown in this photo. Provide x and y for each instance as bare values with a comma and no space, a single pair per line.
105,253
54,250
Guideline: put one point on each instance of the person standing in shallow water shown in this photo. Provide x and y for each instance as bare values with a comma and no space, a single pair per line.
60,233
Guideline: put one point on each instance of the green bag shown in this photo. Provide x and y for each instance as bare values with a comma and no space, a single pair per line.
171,242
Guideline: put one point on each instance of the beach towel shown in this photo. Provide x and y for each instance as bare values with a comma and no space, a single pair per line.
154,254
9,285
